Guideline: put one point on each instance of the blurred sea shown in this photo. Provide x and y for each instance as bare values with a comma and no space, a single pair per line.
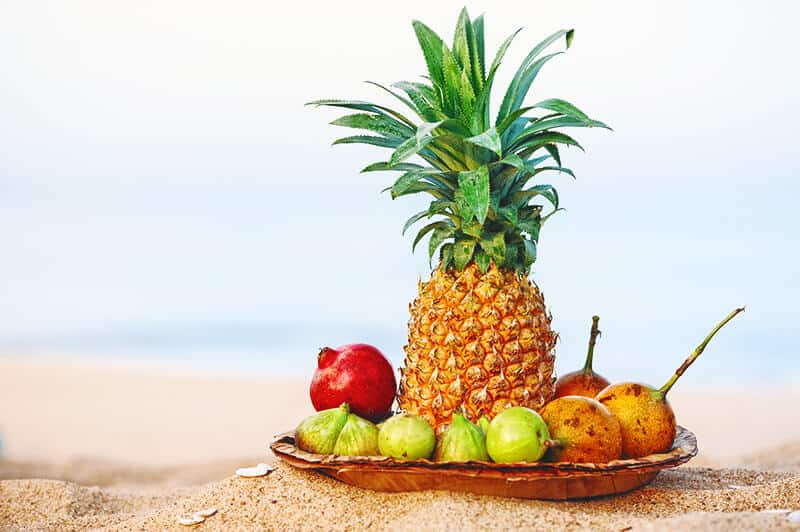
288,350
255,278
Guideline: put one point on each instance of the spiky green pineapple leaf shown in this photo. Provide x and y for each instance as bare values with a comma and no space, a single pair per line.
461,41
512,159
518,172
513,255
462,252
510,214
440,207
465,50
414,219
546,127
472,228
431,45
552,149
386,167
415,187
534,161
451,87
446,255
443,224
424,98
476,59
401,98
489,139
480,115
549,124
466,98
520,84
415,144
480,46
559,169
477,174
381,124
409,147
501,51
530,252
415,178
358,105
494,200
448,156
524,83
544,138
546,191
551,213
373,140
438,236
495,246
510,119
562,106
475,186
482,260
531,226
462,206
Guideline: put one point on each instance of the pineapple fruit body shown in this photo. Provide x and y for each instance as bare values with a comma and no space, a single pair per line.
479,341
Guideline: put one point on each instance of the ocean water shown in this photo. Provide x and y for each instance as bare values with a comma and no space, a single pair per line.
255,278
288,350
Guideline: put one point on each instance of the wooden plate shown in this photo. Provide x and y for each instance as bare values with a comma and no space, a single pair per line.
539,480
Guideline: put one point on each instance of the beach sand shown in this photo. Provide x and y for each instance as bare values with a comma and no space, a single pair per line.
87,445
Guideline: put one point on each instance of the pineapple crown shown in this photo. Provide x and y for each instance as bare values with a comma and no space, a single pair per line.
478,173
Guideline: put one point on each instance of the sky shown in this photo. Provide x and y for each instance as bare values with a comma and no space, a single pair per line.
162,185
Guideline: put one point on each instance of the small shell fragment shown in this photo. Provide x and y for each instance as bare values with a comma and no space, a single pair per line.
191,520
208,512
260,470
794,517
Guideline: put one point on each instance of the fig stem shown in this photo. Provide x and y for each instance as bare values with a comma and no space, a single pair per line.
696,353
595,332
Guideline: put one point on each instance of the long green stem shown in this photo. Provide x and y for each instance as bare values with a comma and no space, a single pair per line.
696,353
587,368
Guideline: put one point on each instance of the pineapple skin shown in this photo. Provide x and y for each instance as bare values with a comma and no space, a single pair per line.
481,342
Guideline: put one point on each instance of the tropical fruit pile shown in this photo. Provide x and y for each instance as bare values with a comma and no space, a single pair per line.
592,424
477,382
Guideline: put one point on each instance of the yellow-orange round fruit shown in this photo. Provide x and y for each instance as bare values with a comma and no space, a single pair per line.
585,384
645,416
586,431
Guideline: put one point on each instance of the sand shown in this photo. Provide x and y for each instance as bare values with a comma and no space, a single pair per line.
97,447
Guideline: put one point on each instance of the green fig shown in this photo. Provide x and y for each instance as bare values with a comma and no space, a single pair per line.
358,437
337,431
461,441
318,433
484,422
406,437
517,434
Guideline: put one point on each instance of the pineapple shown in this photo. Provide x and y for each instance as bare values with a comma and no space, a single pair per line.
479,335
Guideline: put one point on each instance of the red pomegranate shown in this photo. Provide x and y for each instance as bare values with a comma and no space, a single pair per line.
356,374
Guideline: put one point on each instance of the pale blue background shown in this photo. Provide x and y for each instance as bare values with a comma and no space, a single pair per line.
164,195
